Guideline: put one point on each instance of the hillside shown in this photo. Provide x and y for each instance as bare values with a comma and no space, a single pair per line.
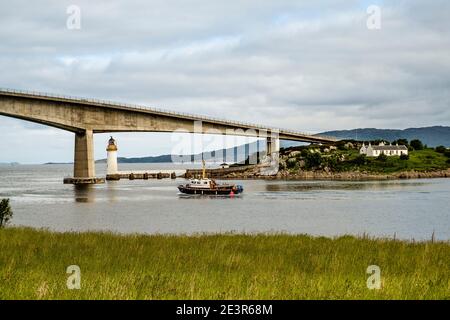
431,136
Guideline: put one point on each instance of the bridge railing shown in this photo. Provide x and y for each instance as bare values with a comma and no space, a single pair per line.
166,112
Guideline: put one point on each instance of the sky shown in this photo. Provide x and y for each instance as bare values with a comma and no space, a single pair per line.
305,65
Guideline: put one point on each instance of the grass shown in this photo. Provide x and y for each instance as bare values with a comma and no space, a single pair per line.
427,159
33,266
420,160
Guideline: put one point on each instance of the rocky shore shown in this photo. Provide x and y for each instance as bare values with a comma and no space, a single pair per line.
322,175
344,176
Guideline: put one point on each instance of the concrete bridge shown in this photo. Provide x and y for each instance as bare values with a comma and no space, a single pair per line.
84,117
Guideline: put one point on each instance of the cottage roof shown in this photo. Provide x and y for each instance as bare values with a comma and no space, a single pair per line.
389,148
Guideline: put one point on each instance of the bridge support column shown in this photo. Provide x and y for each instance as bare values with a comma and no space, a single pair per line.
272,146
84,163
270,163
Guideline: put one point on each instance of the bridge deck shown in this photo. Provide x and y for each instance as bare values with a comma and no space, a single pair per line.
284,133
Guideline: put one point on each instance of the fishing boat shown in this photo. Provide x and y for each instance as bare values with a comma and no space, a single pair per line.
209,186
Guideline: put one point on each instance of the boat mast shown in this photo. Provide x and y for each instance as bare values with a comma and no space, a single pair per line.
203,169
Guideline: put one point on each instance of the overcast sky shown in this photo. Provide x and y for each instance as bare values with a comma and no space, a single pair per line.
305,65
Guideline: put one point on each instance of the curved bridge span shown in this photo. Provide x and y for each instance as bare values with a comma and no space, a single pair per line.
85,117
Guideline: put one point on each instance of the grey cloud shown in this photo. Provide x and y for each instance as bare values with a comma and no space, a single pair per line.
311,66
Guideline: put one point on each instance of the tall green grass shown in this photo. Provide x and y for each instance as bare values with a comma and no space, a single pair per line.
33,266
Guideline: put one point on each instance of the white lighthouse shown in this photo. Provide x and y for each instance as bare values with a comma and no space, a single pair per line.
112,157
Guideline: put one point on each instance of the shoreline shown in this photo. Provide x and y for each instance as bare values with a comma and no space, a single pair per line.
199,235
340,176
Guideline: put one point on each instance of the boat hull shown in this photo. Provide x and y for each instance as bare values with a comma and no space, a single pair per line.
214,191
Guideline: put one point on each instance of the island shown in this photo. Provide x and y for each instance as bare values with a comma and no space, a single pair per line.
344,160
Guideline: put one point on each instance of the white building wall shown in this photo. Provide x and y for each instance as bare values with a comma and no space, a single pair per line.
371,152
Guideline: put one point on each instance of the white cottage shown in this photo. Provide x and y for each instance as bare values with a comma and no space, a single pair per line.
389,150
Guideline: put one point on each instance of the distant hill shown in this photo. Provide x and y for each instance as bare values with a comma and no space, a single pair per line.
431,136
157,159
167,158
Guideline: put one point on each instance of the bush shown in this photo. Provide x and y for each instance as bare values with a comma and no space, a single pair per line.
360,160
332,162
290,164
313,160
5,212
447,153
382,157
416,144
341,145
404,156
304,153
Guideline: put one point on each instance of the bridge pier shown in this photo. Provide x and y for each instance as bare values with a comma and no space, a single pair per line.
270,163
273,146
84,163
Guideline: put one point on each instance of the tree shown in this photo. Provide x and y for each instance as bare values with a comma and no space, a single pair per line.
404,156
304,152
378,141
332,162
341,145
360,160
416,144
382,157
401,142
313,160
291,163
5,212
440,149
